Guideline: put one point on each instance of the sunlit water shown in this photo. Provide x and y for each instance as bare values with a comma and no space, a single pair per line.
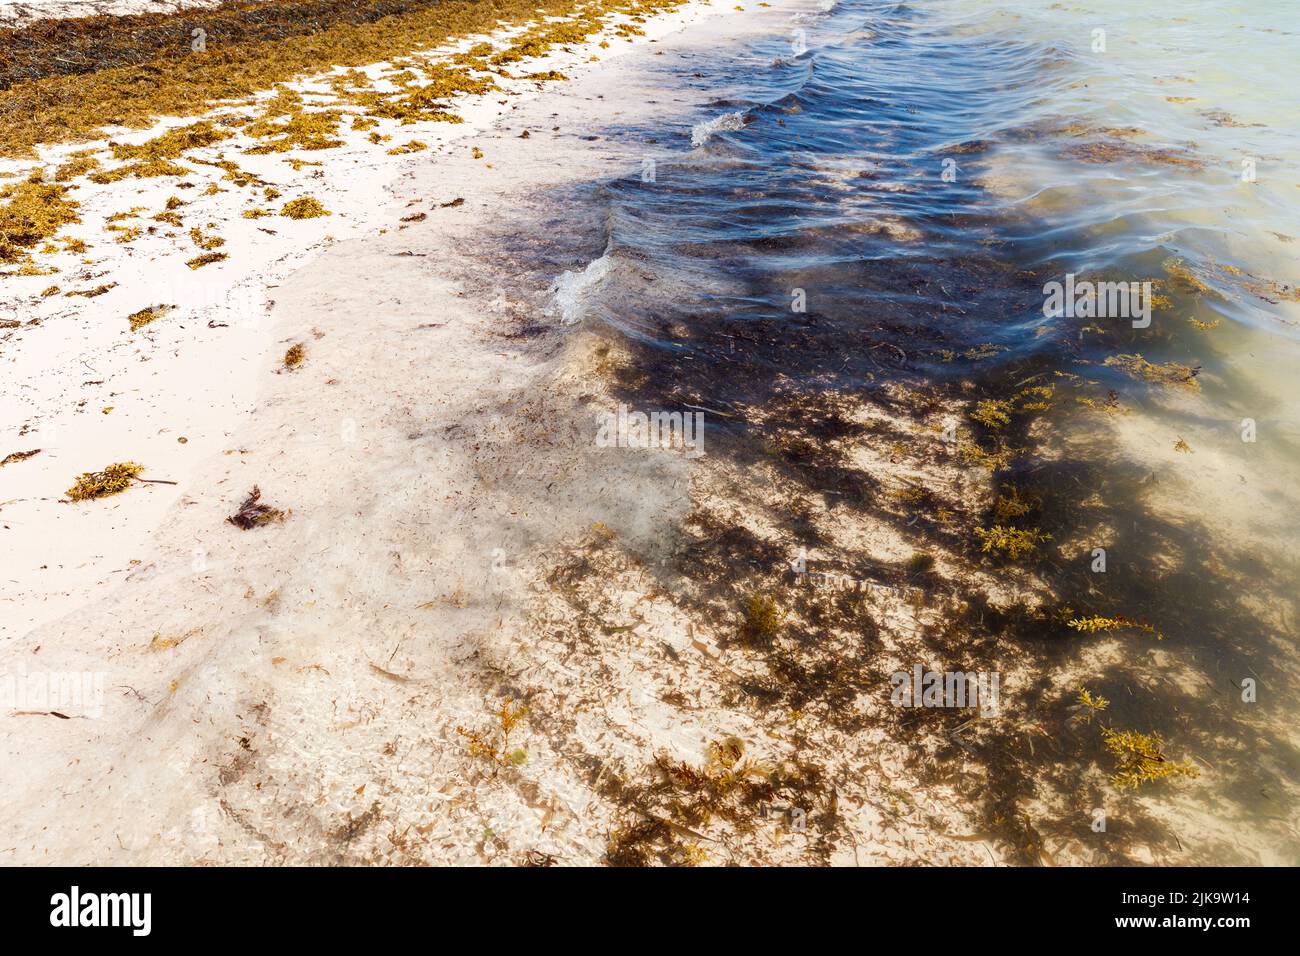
917,173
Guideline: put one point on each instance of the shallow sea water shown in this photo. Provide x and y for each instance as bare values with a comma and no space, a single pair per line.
887,192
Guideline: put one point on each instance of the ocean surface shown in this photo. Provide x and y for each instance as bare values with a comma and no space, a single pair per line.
888,192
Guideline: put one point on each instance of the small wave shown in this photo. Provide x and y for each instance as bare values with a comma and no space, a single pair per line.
824,7
571,291
702,132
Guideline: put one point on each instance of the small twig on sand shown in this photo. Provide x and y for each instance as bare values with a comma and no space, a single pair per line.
711,411
678,828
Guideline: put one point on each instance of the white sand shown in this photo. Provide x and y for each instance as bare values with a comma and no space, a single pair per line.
23,12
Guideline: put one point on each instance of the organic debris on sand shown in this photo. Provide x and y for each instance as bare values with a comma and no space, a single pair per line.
308,207
253,514
19,456
111,481
142,318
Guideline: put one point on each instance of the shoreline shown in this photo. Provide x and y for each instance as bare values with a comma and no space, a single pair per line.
474,632
175,390
322,689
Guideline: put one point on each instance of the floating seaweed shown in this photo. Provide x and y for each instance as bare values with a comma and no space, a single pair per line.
1097,622
1011,504
1015,543
1140,759
1172,374
1090,705
685,799
1119,150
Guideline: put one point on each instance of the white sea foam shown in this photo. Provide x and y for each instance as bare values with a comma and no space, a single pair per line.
728,122
573,290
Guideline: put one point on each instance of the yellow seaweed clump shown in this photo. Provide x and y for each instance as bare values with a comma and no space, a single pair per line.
1090,704
306,207
100,484
198,262
494,745
428,102
144,169
300,130
142,318
204,242
762,620
31,212
1012,505
1171,374
77,165
1098,622
171,144
414,146
1139,759
1015,543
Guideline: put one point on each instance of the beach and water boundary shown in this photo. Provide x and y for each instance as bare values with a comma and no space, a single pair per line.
673,578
